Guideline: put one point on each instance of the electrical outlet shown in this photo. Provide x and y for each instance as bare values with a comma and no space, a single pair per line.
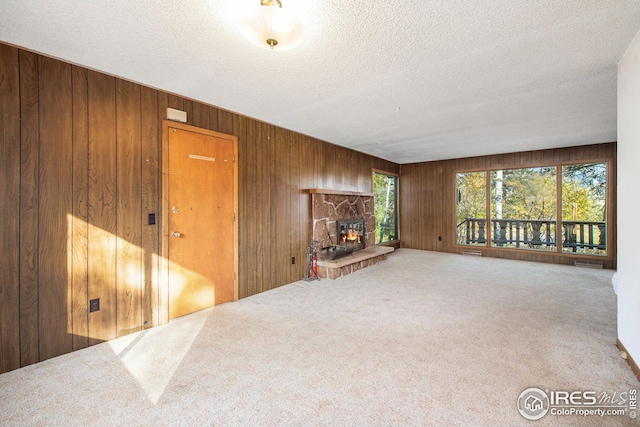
439,238
151,219
293,260
94,305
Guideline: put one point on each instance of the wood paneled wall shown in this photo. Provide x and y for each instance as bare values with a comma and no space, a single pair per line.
427,199
80,169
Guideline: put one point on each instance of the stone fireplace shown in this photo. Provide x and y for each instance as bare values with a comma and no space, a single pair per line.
344,226
332,209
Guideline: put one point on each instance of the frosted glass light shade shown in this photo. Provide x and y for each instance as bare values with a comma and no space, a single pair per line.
261,23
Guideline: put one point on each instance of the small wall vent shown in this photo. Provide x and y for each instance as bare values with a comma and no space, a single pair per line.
588,264
471,252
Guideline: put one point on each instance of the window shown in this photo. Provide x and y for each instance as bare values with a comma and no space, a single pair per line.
524,206
471,208
385,188
584,208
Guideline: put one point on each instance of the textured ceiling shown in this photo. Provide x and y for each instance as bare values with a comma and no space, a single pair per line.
405,80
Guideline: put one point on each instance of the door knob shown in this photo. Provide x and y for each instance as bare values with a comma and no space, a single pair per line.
176,234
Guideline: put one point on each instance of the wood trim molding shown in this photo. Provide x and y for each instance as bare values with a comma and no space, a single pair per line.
340,192
630,361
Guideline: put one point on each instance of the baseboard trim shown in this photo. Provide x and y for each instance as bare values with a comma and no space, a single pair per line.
630,361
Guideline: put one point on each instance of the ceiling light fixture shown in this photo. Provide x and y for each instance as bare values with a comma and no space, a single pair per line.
269,24
271,3
272,17
281,27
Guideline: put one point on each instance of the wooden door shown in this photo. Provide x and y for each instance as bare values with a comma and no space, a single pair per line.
200,216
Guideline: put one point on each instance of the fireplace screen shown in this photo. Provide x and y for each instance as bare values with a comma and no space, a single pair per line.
351,233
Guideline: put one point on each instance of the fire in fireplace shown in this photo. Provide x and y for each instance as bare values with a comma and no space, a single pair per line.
351,233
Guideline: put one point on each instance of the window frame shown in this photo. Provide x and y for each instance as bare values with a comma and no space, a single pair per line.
397,202
559,222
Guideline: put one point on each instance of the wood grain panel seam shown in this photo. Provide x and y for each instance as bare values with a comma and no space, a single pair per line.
36,197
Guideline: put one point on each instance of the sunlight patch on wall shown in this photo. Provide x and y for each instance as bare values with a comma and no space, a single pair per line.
112,265
78,223
152,371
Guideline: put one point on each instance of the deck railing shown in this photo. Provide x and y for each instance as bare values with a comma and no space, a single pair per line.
534,234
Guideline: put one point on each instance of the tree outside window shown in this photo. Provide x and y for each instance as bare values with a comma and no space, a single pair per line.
385,188
584,208
523,208
471,208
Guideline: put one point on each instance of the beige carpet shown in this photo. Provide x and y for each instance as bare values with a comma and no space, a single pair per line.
422,339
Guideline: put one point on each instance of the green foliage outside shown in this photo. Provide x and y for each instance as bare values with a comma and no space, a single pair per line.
584,200
385,188
471,195
471,201
528,193
584,192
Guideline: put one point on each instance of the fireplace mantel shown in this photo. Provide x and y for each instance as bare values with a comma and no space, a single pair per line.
340,192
